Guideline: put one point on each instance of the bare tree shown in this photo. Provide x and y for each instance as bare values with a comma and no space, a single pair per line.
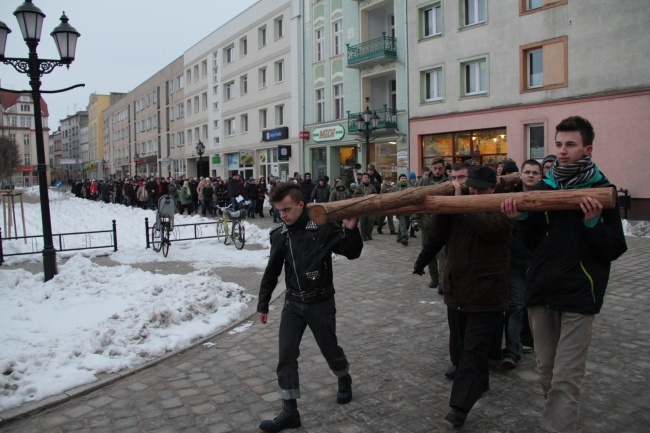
9,157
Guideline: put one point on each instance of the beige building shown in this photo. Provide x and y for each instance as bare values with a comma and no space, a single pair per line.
491,79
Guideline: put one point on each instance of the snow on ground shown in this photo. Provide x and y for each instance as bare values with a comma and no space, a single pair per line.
93,319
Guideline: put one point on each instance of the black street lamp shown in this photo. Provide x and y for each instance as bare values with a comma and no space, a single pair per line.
200,148
136,158
367,123
30,19
103,168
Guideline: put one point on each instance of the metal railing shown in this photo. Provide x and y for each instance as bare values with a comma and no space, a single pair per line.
37,247
175,234
387,119
374,49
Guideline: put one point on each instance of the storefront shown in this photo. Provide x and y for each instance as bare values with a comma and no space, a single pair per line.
484,146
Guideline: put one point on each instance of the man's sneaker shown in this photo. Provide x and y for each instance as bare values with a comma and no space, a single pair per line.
456,416
526,349
509,362
288,418
344,395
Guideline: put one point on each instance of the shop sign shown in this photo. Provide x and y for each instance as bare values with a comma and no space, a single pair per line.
276,134
329,133
165,162
304,135
25,168
402,159
216,159
70,161
284,153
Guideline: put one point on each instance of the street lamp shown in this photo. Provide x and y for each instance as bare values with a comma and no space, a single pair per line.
103,168
200,148
136,158
30,19
367,123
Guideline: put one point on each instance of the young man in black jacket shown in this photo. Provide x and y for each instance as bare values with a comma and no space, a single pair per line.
568,273
305,250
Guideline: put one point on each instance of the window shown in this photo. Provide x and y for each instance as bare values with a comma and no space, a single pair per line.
244,123
433,85
243,47
180,82
196,104
431,21
215,124
189,135
319,49
204,101
229,90
337,34
189,106
473,12
544,65
320,105
531,6
188,76
229,54
204,68
279,115
339,112
243,84
230,127
215,58
196,72
261,36
215,106
535,68
392,92
475,78
204,128
215,74
277,28
279,71
535,140
180,138
172,140
262,77
263,118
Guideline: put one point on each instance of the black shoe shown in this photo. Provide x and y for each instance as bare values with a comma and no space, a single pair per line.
344,395
440,290
509,362
380,231
405,243
433,284
393,232
450,373
364,238
456,416
288,418
413,235
369,237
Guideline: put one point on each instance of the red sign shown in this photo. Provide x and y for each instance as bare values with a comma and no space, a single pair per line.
25,168
304,135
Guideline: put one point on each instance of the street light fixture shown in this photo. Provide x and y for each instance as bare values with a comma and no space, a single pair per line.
103,168
30,19
200,148
367,123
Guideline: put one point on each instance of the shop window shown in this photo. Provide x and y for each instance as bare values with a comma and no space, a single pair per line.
318,162
487,146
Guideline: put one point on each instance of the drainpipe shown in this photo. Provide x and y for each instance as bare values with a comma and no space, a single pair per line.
408,94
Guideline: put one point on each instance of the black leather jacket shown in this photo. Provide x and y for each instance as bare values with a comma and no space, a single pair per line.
305,251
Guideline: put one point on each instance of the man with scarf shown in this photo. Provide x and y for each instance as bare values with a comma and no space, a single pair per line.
305,250
569,271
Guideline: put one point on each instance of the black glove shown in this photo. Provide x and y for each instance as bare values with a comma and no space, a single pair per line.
418,271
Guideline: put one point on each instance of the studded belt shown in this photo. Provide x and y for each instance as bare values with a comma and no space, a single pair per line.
311,294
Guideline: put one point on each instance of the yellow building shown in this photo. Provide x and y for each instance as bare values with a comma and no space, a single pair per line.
96,106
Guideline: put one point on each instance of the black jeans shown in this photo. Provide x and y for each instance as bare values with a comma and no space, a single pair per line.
321,319
476,332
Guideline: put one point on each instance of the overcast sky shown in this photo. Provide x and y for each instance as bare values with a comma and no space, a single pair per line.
122,43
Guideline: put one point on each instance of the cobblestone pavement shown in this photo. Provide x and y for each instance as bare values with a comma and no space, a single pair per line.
394,331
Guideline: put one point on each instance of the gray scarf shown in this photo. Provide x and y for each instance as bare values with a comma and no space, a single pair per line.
574,174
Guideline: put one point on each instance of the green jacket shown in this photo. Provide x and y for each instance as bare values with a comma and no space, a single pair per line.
337,195
185,195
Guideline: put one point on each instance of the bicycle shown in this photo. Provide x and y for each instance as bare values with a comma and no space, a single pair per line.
229,227
164,225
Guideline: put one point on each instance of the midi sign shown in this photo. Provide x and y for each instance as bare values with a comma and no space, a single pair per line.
329,133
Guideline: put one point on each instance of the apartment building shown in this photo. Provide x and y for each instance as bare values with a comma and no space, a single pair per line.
17,123
96,106
70,155
491,79
248,116
54,143
355,60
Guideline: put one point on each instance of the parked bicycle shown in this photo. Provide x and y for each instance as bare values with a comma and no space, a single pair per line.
161,230
229,227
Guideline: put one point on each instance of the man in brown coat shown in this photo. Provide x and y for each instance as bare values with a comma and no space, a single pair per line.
475,287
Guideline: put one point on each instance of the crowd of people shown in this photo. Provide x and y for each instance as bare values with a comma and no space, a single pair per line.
531,280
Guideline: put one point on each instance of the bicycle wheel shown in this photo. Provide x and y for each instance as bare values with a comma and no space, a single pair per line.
164,243
156,238
238,235
221,233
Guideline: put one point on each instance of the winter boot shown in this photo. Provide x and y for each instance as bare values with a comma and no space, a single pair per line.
288,418
344,395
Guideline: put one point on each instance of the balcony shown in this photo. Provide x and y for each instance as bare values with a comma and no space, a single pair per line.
373,52
387,119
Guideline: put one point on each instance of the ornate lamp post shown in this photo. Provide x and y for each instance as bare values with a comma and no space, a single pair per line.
136,158
366,123
30,19
200,149
103,168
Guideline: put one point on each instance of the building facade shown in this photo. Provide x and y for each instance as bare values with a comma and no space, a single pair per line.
71,161
491,79
18,124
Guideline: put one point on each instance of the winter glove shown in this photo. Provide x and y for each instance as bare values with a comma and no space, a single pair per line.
418,271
